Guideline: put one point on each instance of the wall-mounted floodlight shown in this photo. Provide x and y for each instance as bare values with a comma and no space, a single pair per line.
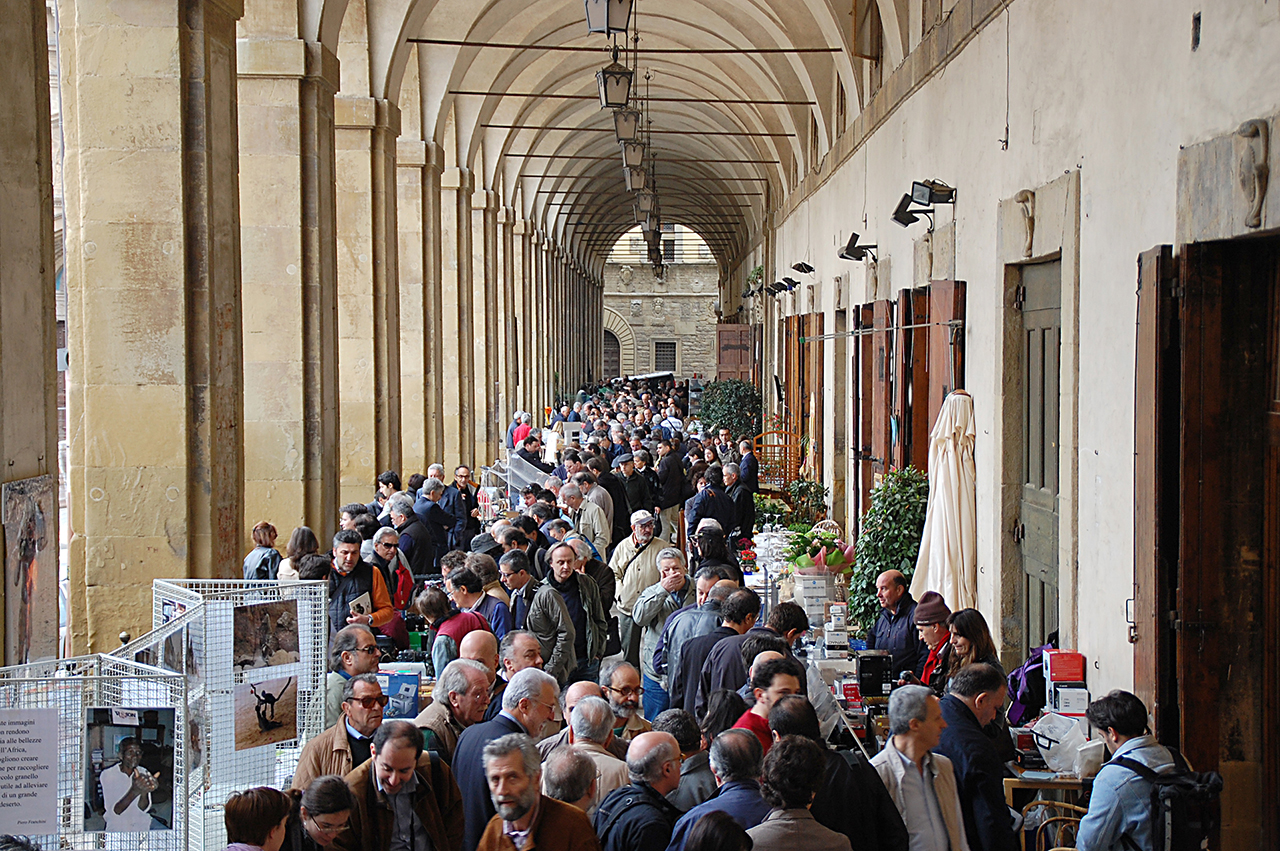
803,268
855,252
903,215
926,192
791,283
776,287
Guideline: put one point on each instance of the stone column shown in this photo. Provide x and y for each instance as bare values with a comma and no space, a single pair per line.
523,310
456,318
489,401
509,316
153,269
28,325
289,271
368,296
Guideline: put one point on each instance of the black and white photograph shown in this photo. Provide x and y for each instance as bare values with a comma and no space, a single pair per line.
266,635
128,769
266,712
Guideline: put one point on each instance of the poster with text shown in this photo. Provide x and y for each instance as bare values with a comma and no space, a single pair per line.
28,771
129,769
29,512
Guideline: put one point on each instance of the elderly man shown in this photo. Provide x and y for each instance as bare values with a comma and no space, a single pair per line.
537,607
748,467
527,704
638,816
744,505
620,684
635,566
921,783
351,577
403,799
588,484
345,745
697,784
931,618
656,603
437,521
525,818
415,539
569,775
460,698
591,730
581,597
587,517
569,698
520,649
895,629
391,563
482,646
354,651
975,699
460,502
735,759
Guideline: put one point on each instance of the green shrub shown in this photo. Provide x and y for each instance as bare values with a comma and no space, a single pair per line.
808,500
731,404
889,537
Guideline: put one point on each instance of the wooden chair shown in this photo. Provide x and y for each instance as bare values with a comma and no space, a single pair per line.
1073,812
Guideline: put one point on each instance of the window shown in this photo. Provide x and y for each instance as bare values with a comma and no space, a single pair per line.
664,356
842,108
668,251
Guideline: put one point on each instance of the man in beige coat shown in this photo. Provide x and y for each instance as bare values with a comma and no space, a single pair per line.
921,783
591,731
345,745
635,564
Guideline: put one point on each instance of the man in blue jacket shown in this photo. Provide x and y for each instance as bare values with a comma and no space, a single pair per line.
895,629
736,756
977,695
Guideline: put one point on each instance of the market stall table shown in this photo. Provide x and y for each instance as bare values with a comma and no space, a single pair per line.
1045,780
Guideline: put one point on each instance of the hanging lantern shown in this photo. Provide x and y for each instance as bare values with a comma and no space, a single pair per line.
645,202
632,154
643,219
626,124
614,81
608,16
637,179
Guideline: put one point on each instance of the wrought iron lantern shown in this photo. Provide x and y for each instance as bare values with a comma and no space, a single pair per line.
645,201
637,179
626,124
632,154
608,16
614,81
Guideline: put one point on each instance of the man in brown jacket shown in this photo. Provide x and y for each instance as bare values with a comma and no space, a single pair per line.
526,818
405,797
345,745
459,699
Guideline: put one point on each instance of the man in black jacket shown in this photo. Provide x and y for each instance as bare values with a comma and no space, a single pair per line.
530,452
851,800
670,489
738,614
638,817
744,506
711,502
460,502
612,486
895,629
415,539
977,695
437,521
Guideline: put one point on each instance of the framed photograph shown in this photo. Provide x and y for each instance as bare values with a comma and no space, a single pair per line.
29,512
128,769
266,712
266,635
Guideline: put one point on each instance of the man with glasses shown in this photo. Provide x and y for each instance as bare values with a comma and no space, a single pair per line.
354,651
460,502
528,703
405,801
345,745
620,682
538,608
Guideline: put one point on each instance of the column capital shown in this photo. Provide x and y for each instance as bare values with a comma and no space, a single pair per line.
484,199
366,113
411,153
506,215
456,179
523,227
287,58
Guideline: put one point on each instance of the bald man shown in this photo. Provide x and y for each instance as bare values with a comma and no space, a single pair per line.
638,816
895,629
569,698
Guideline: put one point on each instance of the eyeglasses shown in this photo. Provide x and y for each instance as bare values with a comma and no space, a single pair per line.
506,574
372,650
626,692
390,545
330,829
370,702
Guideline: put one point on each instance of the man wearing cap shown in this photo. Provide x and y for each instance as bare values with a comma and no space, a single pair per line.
931,622
637,488
635,564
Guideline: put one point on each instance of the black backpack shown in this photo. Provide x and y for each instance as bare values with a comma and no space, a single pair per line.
1184,805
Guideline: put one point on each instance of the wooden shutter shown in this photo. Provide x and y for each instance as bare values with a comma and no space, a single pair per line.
882,381
946,343
733,347
911,394
1157,409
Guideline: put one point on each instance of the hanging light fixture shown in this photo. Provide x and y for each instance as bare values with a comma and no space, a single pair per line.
632,154
644,201
608,16
614,81
637,179
626,124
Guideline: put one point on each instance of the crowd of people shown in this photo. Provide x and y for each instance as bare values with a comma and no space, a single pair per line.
599,686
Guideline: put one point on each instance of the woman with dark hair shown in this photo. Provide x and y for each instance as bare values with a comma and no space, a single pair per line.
449,625
971,640
256,819
717,831
320,814
301,543
713,552
724,708
263,561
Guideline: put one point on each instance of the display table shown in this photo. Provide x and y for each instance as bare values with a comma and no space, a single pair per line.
1072,785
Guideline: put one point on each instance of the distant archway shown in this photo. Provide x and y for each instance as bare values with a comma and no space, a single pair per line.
612,355
625,339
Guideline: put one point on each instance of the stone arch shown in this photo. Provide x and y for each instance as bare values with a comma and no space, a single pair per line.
615,324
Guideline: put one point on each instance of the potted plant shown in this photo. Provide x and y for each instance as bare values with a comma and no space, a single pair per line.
889,537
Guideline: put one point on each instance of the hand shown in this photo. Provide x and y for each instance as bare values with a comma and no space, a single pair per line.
672,583
364,619
143,783
475,512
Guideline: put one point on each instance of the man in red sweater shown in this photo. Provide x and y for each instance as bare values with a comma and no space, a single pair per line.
771,681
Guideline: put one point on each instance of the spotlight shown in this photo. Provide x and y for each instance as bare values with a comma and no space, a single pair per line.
853,251
791,283
776,287
904,216
803,268
926,192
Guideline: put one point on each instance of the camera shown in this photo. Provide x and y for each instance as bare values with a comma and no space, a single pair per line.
413,656
415,622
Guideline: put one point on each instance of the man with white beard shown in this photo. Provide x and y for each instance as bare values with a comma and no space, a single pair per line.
526,818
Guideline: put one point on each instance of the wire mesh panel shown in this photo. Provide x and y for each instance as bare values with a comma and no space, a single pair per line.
101,699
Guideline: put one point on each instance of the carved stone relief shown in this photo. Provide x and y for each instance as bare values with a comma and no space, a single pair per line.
1026,201
636,305
1251,168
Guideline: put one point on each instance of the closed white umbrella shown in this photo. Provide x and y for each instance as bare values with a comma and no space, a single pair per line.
948,550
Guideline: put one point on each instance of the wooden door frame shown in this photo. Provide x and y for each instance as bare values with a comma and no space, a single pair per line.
1035,226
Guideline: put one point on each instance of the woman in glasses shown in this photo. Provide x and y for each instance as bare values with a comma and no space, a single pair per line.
320,814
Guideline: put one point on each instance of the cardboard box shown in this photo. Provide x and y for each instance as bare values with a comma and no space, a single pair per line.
1070,699
1063,666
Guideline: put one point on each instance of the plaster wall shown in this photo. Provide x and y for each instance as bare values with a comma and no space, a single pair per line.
680,307
1111,91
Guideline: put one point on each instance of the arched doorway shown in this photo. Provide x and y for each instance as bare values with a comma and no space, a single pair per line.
612,355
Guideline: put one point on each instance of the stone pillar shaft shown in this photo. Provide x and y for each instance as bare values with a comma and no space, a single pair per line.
153,269
289,269
489,401
456,319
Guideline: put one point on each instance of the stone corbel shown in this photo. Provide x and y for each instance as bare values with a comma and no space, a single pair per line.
1252,169
1026,201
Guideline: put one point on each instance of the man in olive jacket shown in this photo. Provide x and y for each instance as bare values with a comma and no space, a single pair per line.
384,785
538,608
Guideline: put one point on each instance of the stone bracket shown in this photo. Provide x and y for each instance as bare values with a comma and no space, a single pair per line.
1223,182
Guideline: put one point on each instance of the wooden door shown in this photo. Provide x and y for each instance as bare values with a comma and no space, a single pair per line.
882,384
733,352
1040,294
612,355
864,378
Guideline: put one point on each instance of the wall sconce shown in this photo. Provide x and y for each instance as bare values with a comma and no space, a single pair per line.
803,268
926,192
905,216
855,252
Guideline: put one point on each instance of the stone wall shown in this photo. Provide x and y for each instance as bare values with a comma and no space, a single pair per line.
680,307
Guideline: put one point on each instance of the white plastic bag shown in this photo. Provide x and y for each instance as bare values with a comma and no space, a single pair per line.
1058,738
1089,758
